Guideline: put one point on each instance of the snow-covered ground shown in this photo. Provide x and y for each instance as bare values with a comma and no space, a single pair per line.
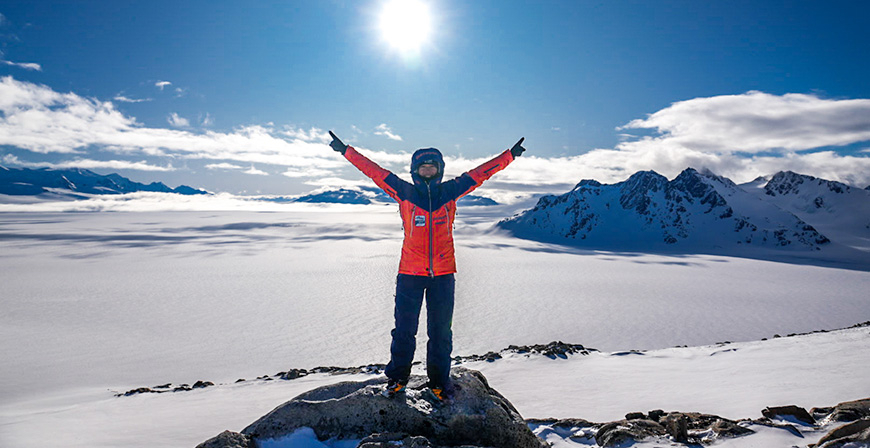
734,381
99,303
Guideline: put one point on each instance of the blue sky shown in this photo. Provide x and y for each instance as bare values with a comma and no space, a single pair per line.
237,97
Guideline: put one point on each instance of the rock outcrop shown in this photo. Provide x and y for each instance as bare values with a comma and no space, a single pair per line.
681,427
477,416
855,434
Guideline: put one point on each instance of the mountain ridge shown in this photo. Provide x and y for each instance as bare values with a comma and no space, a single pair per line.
74,182
699,210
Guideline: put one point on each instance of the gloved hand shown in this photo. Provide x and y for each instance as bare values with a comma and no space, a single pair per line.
517,149
337,144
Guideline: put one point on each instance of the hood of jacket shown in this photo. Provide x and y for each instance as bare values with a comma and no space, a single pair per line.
427,155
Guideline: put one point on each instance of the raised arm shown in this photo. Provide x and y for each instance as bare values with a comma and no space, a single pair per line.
467,182
386,180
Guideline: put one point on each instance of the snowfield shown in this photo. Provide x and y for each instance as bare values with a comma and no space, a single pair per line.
96,303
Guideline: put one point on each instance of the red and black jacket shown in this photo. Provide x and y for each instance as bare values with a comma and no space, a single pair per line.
427,208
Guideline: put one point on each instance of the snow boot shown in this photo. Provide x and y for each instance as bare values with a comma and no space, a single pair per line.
395,387
439,394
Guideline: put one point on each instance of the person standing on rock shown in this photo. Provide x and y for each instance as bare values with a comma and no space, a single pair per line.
427,265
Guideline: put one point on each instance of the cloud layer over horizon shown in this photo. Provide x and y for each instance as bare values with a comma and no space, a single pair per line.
738,136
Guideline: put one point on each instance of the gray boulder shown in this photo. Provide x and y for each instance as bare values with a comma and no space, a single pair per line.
477,416
790,412
851,410
855,434
626,432
228,439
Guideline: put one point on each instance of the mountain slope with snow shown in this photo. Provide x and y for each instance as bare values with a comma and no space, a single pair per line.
840,212
694,211
76,183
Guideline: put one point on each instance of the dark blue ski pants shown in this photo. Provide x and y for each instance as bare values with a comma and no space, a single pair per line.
438,291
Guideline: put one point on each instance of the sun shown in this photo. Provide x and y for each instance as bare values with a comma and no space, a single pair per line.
405,24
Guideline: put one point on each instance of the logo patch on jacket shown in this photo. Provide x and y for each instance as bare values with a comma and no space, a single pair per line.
420,221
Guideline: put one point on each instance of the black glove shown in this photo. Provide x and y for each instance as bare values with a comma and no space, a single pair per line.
517,149
337,144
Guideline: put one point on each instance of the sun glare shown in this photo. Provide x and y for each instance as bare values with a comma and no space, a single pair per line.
405,24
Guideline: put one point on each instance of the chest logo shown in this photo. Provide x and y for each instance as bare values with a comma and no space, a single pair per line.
420,221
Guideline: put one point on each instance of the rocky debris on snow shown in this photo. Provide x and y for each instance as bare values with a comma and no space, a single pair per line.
488,357
166,388
861,325
681,427
553,350
478,416
691,428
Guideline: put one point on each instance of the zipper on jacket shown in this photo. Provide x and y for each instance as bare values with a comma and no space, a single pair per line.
431,261
450,224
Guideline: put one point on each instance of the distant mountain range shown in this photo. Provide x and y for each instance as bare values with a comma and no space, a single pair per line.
372,195
75,183
701,211
80,183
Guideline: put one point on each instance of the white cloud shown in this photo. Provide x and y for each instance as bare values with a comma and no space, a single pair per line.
337,182
311,135
223,166
385,130
124,99
175,120
38,119
255,171
88,164
25,65
207,120
145,201
161,84
313,173
756,122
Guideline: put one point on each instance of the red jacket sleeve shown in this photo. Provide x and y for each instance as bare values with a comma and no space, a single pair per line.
372,170
488,169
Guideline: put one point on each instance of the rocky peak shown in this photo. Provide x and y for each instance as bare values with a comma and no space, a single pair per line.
643,181
590,183
691,182
789,182
636,191
693,185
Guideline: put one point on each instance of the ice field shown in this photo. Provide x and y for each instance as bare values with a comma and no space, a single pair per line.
101,302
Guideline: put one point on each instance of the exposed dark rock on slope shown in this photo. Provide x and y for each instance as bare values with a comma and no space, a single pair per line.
24,181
